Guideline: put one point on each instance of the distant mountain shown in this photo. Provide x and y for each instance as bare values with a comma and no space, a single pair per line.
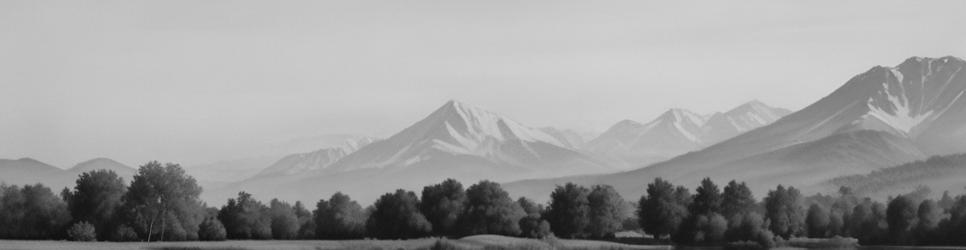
105,164
30,171
455,141
883,117
679,131
744,118
26,171
313,161
232,170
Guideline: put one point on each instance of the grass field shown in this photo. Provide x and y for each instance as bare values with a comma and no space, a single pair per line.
485,242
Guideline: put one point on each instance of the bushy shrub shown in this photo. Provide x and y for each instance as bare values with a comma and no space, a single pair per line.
211,230
82,231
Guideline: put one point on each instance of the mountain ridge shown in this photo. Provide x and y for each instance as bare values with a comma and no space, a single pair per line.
936,82
678,131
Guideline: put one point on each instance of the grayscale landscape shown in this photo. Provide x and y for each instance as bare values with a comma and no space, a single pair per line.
482,125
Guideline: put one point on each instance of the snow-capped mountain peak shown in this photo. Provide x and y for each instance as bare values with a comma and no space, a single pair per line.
907,99
476,124
457,129
745,117
678,131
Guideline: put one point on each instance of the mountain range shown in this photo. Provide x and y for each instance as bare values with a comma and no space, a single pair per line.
456,141
29,171
883,117
678,131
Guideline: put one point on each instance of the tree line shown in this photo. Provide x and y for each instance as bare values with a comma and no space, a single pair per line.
161,203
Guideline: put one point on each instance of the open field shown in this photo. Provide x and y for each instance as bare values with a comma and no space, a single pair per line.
472,242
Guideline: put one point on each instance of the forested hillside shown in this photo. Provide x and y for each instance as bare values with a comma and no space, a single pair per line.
938,173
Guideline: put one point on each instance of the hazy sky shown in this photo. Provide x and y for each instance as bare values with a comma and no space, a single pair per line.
198,81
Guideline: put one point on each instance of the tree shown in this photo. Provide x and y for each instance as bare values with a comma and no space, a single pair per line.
339,218
704,228
836,223
946,202
929,216
867,222
663,208
442,204
396,216
707,198
96,197
246,218
750,227
737,199
606,211
533,225
530,208
306,221
211,230
32,212
162,203
82,231
489,210
783,208
285,224
953,227
817,221
901,216
568,211
841,211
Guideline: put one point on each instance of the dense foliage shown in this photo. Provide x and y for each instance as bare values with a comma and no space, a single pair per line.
32,212
96,198
396,216
339,218
161,203
490,210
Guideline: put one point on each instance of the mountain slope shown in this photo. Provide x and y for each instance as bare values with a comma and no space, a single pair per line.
569,138
906,107
105,164
313,161
30,171
456,129
455,141
744,118
678,131
26,171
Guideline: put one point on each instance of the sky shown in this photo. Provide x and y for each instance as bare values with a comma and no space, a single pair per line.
202,81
